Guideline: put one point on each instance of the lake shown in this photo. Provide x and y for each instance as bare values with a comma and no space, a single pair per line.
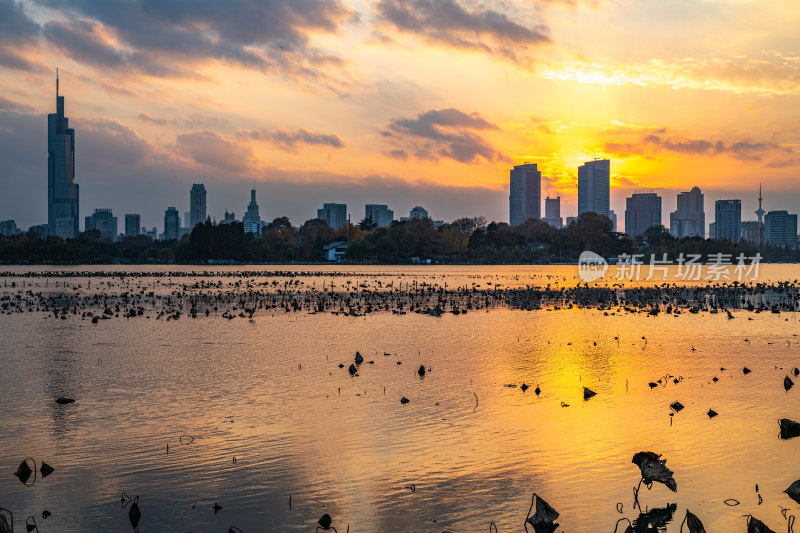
255,414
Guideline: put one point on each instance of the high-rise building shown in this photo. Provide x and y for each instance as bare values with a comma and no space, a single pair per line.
780,229
133,225
728,217
642,211
172,223
712,230
252,219
525,193
380,214
62,191
552,211
612,216
334,214
153,233
689,220
229,217
418,213
594,187
751,232
197,205
570,221
9,228
103,221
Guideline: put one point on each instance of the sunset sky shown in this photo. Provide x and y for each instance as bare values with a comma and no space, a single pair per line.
404,102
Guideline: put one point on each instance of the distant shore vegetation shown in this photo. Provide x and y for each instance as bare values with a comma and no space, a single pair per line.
463,241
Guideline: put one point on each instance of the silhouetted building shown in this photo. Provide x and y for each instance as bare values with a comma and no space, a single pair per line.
172,224
552,211
712,230
9,228
133,225
780,229
570,221
152,233
751,232
334,214
642,211
252,219
229,217
197,205
525,193
612,216
418,213
728,217
62,191
760,211
689,220
38,232
380,214
594,187
103,221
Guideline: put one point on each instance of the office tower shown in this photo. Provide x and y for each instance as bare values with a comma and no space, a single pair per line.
172,223
153,233
252,219
525,193
594,186
642,211
9,228
197,205
334,214
38,232
712,230
62,191
552,211
103,221
380,214
689,220
780,229
728,217
418,213
133,225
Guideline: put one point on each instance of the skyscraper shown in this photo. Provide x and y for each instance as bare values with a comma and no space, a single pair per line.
552,211
197,205
380,214
133,225
103,221
334,214
594,187
62,191
780,229
525,193
642,211
252,219
727,218
689,220
760,211
172,223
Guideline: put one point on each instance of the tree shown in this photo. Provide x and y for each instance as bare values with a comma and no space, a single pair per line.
367,224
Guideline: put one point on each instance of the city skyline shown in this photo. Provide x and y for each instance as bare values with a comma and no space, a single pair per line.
355,101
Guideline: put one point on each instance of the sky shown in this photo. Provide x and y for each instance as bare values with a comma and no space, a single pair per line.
402,102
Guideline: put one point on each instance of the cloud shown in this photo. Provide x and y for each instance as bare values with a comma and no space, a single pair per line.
158,121
643,141
290,140
110,141
771,73
398,154
209,149
448,23
11,105
167,37
442,133
19,38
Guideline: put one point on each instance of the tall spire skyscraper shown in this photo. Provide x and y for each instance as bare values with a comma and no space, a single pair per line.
62,191
760,212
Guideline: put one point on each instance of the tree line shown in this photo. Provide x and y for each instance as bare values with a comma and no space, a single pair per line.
465,240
